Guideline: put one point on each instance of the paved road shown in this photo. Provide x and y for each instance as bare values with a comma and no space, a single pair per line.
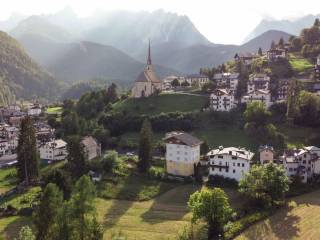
5,160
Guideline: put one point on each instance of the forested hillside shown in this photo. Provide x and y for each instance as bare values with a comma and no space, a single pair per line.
20,75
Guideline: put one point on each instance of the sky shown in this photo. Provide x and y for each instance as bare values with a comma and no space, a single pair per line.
221,21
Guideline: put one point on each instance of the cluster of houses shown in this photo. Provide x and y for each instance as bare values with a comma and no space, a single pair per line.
183,153
50,149
258,90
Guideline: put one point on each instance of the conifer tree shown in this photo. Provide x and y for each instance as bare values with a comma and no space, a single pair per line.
47,215
145,146
28,159
260,51
76,157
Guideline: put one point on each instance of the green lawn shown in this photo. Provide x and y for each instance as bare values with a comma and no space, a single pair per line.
300,220
54,110
8,179
162,103
10,226
300,64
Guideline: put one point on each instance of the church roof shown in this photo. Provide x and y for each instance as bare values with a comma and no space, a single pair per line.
148,75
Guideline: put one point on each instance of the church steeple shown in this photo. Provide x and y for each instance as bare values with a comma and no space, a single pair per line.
149,62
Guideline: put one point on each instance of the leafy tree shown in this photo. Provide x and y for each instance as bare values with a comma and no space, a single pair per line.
62,179
26,234
260,51
46,217
70,123
111,94
213,206
175,83
145,146
257,113
76,157
308,110
28,159
204,148
265,184
102,135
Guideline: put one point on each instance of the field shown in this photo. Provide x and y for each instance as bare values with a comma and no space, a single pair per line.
7,179
300,220
162,103
300,64
54,110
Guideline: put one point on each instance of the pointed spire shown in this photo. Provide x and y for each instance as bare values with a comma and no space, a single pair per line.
149,55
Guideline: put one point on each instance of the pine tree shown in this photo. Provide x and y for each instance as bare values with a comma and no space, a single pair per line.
76,158
47,215
273,45
145,146
111,94
28,160
260,51
281,43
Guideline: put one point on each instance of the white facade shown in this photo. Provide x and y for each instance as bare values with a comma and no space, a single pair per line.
227,80
258,82
302,162
55,150
35,111
4,147
258,96
230,162
197,80
182,153
222,100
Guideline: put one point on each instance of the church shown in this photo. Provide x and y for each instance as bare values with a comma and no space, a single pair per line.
147,83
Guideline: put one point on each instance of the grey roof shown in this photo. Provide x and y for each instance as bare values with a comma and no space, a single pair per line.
184,137
196,76
148,75
234,151
226,75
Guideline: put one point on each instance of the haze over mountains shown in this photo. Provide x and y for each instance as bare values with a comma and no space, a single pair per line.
114,45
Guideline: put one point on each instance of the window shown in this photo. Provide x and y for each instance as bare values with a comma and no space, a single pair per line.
234,164
220,163
238,164
178,152
290,169
227,170
234,171
219,169
242,164
220,156
304,161
233,157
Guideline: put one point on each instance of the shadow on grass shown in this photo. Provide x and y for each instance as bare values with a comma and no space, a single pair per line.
133,188
282,225
171,206
14,224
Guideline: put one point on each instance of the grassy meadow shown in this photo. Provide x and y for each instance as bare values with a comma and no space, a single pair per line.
161,104
300,64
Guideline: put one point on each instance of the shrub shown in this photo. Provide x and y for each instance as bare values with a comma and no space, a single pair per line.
156,172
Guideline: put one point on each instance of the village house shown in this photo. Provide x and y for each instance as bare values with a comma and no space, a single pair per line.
182,153
258,81
55,150
303,163
227,80
246,58
258,96
230,162
167,82
34,110
222,100
197,79
147,83
276,54
266,154
4,147
91,147
282,91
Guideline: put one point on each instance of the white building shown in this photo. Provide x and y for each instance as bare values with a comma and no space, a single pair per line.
182,152
282,91
230,162
222,100
278,53
258,96
304,162
197,79
227,80
167,82
34,110
4,147
259,81
55,150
